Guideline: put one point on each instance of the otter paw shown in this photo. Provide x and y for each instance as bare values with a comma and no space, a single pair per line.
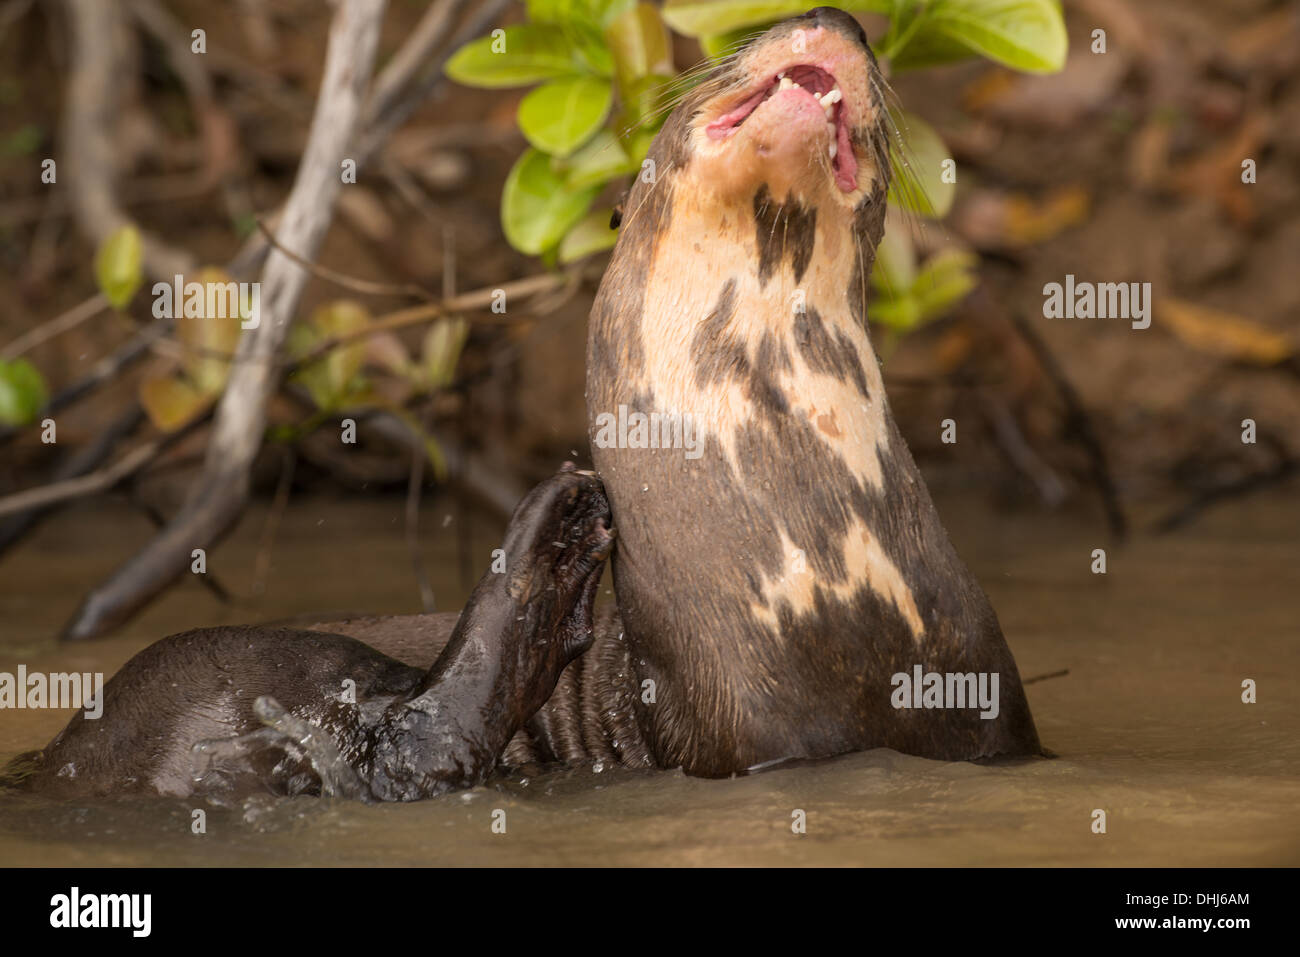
560,534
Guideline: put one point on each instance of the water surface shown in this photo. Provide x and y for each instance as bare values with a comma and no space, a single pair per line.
1148,724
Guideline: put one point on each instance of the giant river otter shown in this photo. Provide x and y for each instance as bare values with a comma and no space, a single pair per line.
784,586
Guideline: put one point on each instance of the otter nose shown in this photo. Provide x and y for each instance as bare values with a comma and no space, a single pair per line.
836,19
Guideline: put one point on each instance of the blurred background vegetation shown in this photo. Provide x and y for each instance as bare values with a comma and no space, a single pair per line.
1115,166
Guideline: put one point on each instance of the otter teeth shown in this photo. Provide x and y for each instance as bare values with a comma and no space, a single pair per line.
828,101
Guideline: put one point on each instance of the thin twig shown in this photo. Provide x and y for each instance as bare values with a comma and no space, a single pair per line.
99,481
1051,674
1079,423
413,489
103,370
75,462
387,117
365,286
1283,469
1015,446
401,319
262,563
60,324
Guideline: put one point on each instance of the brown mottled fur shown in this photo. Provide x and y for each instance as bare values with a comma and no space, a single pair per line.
770,588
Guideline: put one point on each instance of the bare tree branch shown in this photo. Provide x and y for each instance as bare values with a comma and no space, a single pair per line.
219,495
100,42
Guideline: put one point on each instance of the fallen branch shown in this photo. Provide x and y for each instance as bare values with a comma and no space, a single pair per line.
78,463
46,495
1283,469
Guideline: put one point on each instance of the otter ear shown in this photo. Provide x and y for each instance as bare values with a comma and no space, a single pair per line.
616,216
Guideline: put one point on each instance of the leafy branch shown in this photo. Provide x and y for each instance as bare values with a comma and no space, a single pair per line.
602,75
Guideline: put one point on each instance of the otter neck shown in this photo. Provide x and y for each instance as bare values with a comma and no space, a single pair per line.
754,309
748,318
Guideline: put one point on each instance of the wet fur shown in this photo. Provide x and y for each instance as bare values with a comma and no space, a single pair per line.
226,712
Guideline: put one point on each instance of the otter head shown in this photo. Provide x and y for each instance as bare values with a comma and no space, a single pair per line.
777,160
798,110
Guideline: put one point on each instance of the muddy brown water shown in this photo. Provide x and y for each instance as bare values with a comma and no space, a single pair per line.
1148,724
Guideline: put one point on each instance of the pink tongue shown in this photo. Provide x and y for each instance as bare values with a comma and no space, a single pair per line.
846,164
724,124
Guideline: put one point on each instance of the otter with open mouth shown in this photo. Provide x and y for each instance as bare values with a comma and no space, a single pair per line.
769,590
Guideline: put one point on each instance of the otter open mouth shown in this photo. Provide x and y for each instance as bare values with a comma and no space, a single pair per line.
822,87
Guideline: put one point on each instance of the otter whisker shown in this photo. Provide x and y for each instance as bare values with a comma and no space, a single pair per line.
654,184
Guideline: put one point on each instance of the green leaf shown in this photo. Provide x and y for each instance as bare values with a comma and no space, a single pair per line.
600,159
640,44
210,340
917,162
638,145
941,282
171,402
596,13
442,347
900,313
646,101
591,235
23,141
336,320
895,267
117,265
718,45
944,280
928,48
590,47
561,115
550,11
22,392
1026,35
518,55
697,18
537,208
332,378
